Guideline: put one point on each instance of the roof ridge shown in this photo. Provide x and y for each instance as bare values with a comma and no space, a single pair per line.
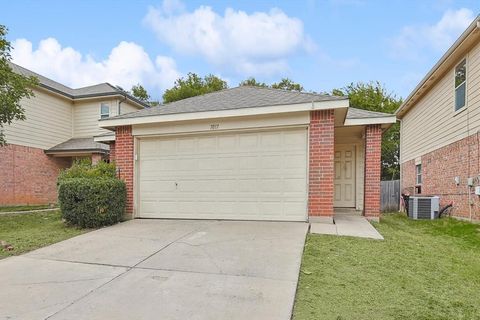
38,74
295,91
73,93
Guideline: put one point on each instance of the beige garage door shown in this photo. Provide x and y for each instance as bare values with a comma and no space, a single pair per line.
246,176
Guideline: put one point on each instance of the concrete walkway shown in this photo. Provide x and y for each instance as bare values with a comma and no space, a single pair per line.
159,269
347,225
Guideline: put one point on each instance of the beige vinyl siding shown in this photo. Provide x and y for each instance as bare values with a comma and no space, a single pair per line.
86,115
48,123
127,107
433,122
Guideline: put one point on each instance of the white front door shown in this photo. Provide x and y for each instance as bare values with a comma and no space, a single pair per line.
344,176
237,175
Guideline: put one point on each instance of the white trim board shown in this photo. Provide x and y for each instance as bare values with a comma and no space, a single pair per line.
322,105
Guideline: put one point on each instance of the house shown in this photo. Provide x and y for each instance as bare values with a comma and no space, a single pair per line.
61,124
250,153
440,129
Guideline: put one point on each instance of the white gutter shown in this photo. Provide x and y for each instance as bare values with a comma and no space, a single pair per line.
320,105
104,138
367,121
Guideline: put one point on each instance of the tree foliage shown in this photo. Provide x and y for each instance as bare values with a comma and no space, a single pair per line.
253,82
139,92
193,85
373,96
284,84
13,87
287,84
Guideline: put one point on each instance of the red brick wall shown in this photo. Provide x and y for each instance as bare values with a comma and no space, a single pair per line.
373,155
28,175
320,193
408,177
124,161
112,151
439,169
96,158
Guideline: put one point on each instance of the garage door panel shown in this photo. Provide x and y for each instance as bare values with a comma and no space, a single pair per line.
254,175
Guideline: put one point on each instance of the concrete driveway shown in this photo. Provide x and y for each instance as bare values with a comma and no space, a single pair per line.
159,269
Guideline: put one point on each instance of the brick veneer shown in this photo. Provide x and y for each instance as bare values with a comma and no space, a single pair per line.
123,156
439,169
112,151
373,155
96,157
28,175
321,153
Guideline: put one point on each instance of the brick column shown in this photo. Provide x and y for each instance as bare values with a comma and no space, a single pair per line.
111,156
124,154
373,155
96,158
321,153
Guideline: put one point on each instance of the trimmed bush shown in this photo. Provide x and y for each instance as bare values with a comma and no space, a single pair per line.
83,168
92,203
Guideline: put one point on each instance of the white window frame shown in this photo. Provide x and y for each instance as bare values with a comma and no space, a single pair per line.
418,174
464,60
104,115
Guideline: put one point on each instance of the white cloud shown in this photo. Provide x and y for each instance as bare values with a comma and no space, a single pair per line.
248,44
412,40
126,65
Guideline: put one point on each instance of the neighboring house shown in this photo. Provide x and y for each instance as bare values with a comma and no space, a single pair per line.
440,129
60,125
250,153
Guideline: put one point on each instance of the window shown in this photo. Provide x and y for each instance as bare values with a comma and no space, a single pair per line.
460,84
104,111
418,169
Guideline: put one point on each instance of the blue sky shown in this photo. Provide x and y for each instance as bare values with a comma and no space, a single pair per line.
320,44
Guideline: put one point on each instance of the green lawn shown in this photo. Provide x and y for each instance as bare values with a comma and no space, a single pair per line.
423,270
23,208
29,231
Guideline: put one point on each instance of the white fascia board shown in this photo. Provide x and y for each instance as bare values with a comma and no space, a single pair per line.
104,138
320,105
367,121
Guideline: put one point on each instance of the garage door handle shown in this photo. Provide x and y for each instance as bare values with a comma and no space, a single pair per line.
176,185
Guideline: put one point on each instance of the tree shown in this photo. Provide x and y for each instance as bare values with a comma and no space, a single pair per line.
193,85
139,92
253,82
287,84
284,84
373,96
13,87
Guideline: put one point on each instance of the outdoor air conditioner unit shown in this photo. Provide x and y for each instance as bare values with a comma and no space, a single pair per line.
423,207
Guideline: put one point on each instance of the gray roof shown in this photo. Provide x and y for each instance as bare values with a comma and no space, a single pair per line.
79,145
354,113
102,89
230,99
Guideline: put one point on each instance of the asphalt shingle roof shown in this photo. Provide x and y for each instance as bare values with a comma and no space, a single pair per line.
79,144
102,89
230,99
354,113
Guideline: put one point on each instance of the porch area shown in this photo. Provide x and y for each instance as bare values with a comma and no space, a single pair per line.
347,222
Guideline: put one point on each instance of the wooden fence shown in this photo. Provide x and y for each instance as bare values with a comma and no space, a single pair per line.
390,196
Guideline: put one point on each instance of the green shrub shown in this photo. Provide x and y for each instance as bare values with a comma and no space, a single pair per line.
83,168
91,203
